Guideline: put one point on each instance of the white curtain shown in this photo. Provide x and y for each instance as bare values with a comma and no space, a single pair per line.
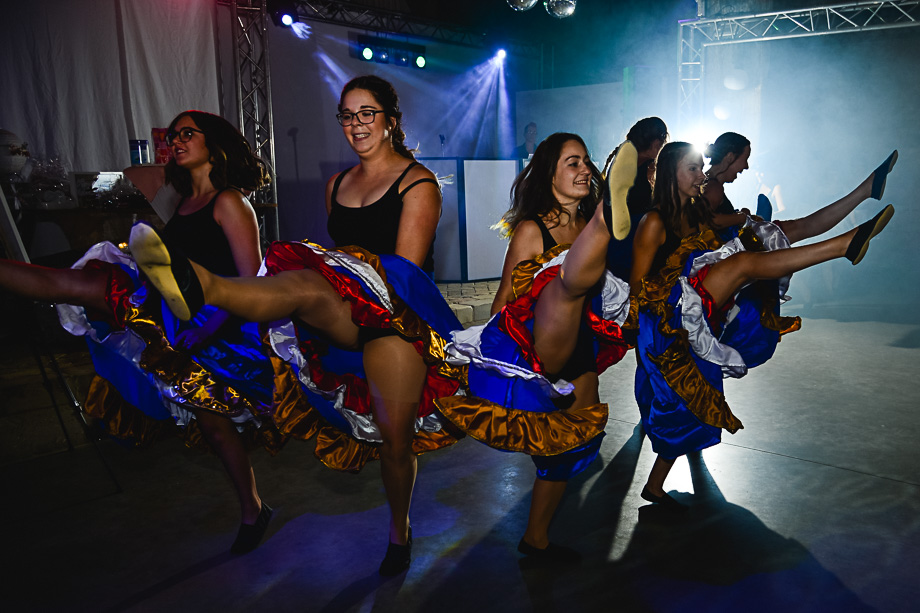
80,78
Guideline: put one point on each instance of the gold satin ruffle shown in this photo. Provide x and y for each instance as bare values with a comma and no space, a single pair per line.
192,383
530,432
126,422
523,274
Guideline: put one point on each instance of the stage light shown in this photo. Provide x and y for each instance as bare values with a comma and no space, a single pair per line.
522,5
386,50
282,12
559,8
500,54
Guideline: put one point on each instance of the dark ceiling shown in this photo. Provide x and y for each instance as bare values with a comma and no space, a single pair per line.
592,46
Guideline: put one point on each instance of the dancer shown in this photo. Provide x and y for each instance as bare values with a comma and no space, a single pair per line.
533,369
728,158
686,279
147,361
648,136
364,350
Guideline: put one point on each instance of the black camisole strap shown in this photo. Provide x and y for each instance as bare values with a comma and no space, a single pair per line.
548,241
338,181
414,183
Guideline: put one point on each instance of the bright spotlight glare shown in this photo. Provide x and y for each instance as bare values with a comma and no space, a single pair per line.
367,53
301,30
287,19
501,54
720,112
420,61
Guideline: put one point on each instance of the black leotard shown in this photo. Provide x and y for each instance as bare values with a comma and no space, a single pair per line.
373,227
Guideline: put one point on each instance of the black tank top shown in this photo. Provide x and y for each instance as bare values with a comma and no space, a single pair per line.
373,227
202,239
671,243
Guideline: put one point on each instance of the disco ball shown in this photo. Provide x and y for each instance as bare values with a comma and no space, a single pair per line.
522,5
559,8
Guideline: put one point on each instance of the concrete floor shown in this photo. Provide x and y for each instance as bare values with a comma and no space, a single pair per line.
814,506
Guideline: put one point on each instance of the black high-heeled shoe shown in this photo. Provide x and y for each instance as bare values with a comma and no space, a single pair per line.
620,178
865,232
168,269
880,175
397,558
249,537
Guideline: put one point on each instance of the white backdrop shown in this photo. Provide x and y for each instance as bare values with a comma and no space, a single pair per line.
80,78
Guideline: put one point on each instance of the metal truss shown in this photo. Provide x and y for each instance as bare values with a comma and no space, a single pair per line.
254,96
697,35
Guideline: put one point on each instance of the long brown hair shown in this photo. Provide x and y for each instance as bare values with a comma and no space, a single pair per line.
232,160
666,197
532,193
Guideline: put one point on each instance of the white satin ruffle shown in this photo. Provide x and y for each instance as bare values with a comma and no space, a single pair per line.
693,320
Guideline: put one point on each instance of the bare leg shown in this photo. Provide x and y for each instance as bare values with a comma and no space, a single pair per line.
829,216
731,274
547,494
81,287
227,443
660,470
396,376
543,503
303,294
557,315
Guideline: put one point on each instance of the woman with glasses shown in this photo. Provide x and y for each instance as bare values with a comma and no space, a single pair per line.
364,346
209,375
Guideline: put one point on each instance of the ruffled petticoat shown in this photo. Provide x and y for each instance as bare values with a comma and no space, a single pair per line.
511,404
144,387
686,345
321,390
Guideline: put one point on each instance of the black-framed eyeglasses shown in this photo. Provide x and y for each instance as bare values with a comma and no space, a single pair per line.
364,117
184,135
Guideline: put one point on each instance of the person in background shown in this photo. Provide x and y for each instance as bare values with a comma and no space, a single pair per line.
529,146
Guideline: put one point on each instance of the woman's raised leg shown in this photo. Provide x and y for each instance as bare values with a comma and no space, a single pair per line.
829,216
82,287
731,274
